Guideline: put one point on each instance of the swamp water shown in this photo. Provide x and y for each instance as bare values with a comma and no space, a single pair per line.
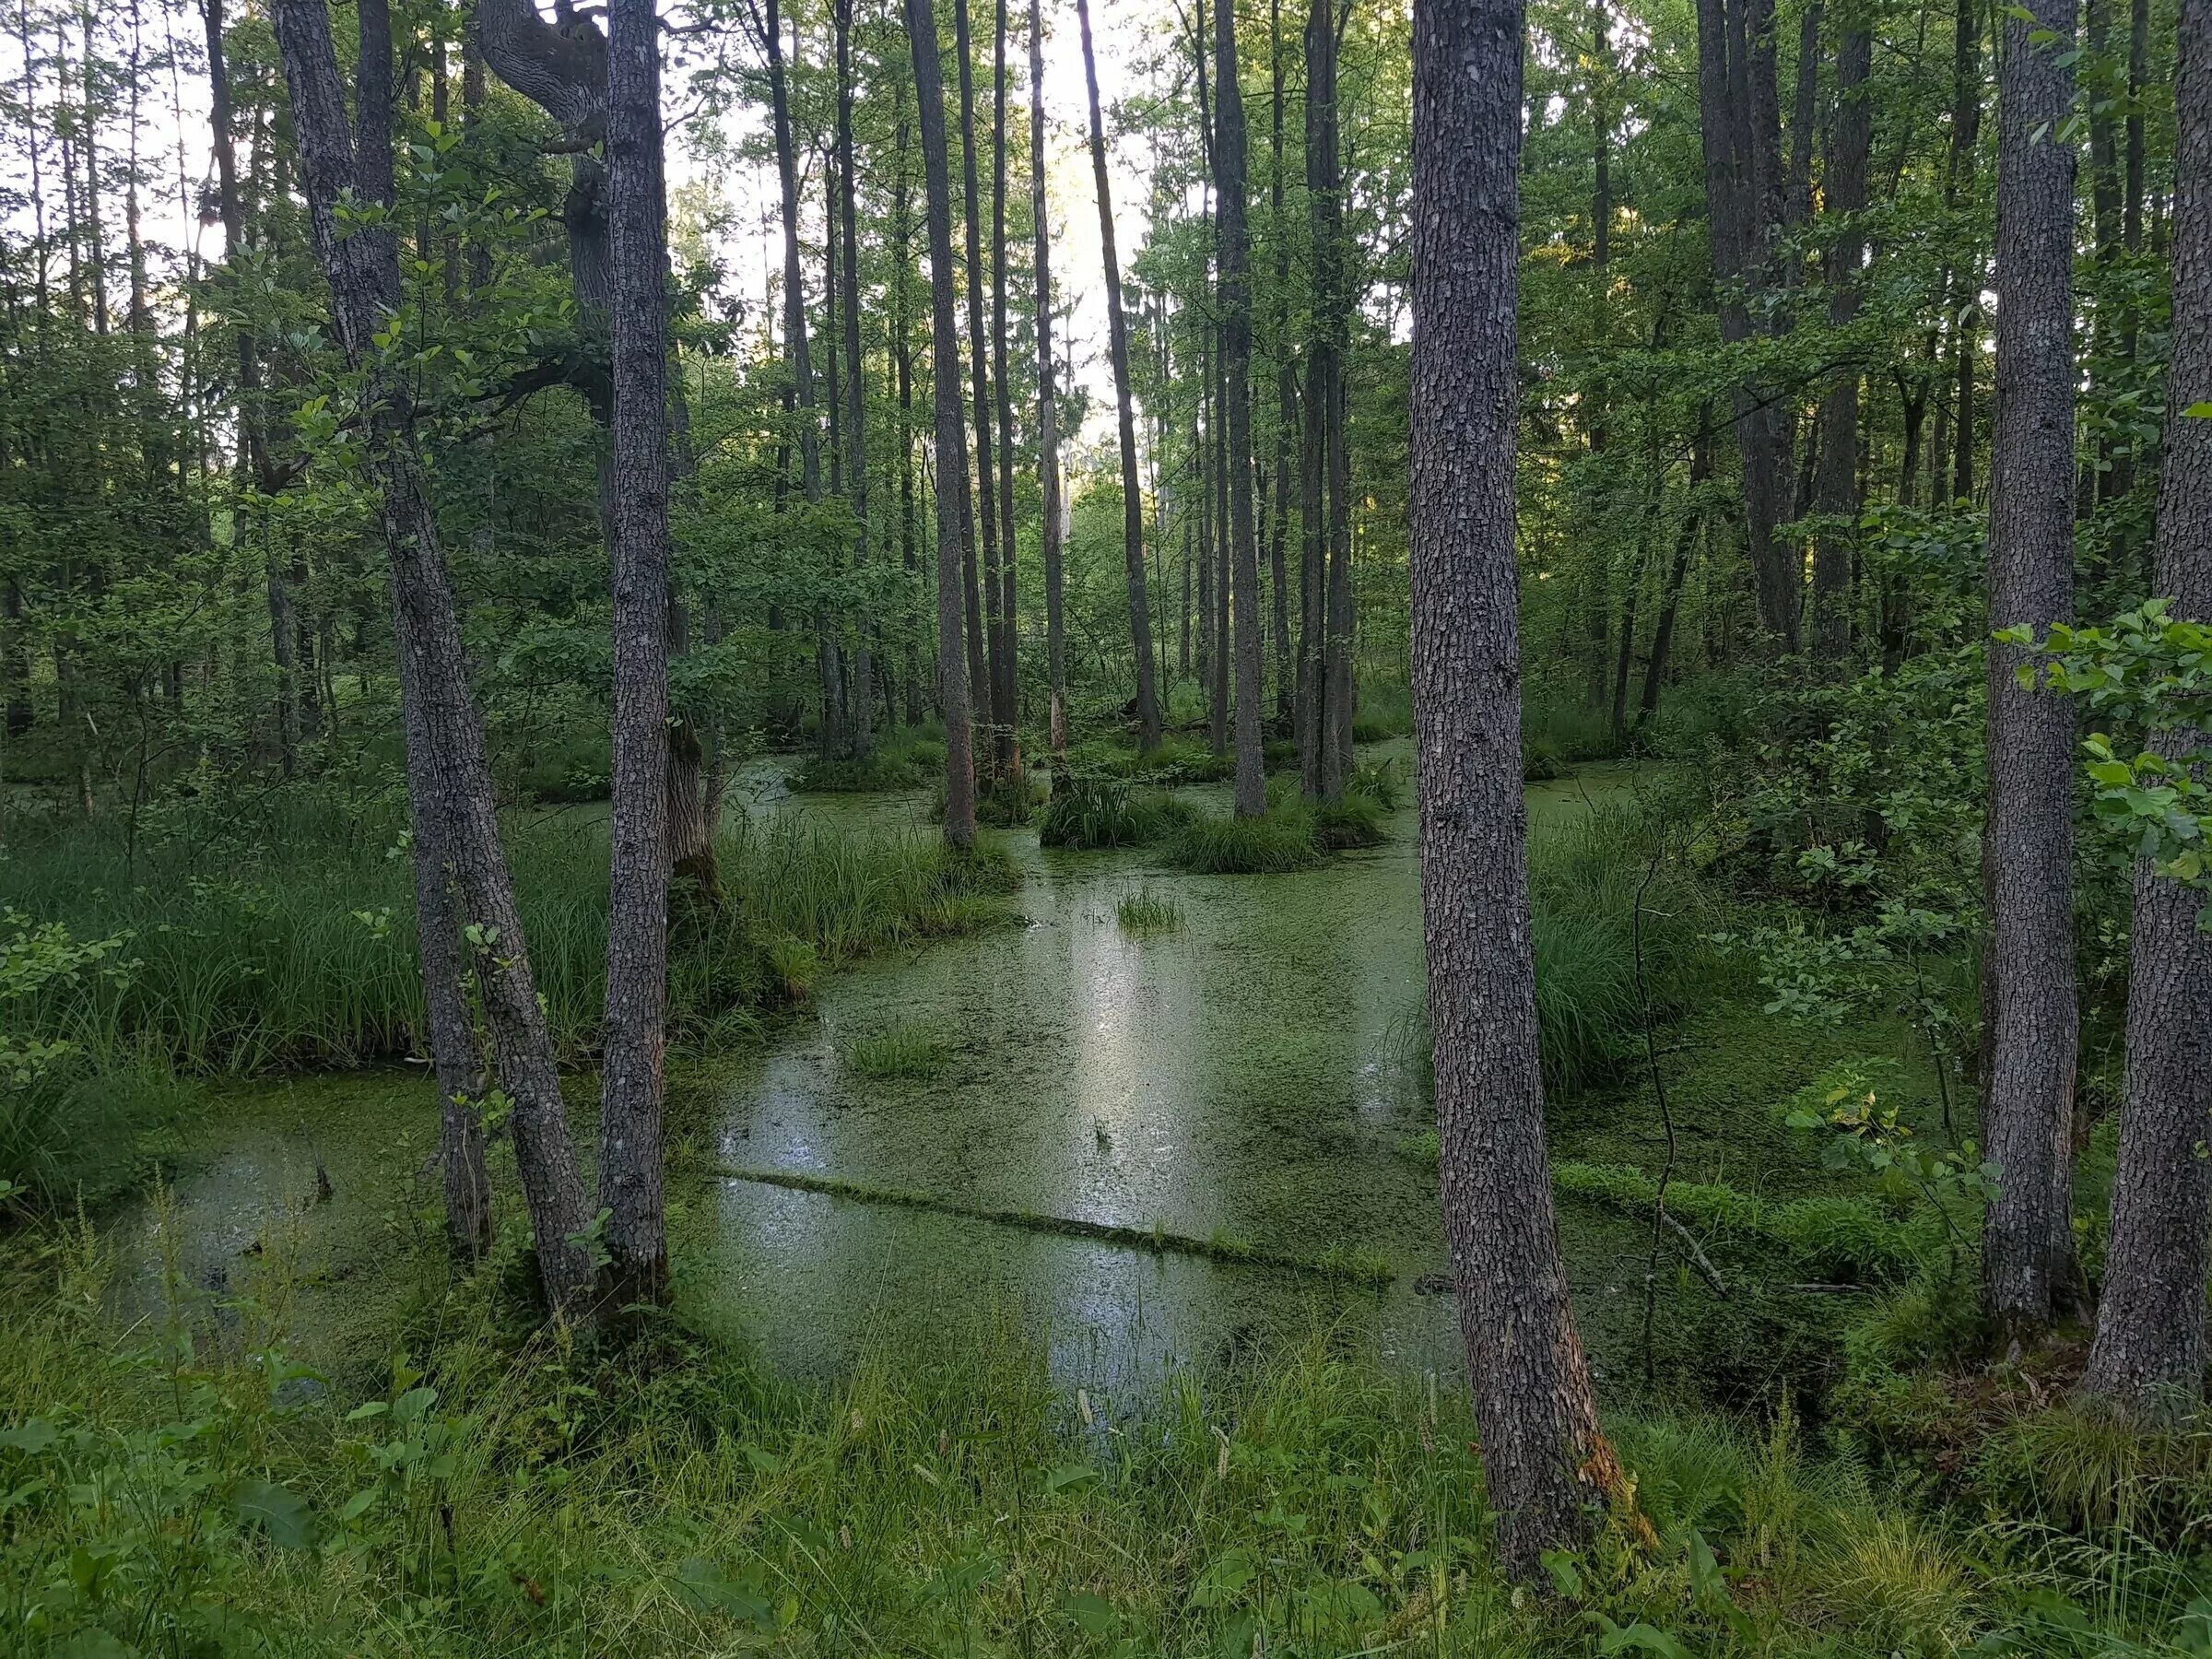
1249,1075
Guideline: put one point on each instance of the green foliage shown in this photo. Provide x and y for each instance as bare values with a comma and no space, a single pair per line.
2150,673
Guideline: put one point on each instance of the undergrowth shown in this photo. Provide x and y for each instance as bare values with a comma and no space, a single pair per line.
187,1487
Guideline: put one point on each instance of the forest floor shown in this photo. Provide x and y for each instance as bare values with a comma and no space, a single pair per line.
300,1431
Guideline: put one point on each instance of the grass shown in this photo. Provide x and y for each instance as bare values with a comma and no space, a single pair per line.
1146,911
1087,811
900,758
903,1052
1262,846
310,961
182,1490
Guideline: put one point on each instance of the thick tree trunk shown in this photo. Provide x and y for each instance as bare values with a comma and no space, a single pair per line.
1236,366
635,1037
2028,1240
1835,493
951,433
1048,430
1117,335
1285,380
1545,1460
449,777
2149,1356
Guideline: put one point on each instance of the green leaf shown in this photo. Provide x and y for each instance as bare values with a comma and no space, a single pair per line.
278,1510
1070,1475
34,1436
2198,411
1223,1577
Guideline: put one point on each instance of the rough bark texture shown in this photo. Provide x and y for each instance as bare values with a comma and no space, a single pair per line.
1545,1463
2028,1105
1836,491
1236,375
951,432
2149,1356
448,776
1006,697
1324,403
1117,335
981,654
1048,429
856,401
635,1037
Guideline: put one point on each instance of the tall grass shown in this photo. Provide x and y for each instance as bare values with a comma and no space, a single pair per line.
303,954
1590,874
1090,811
492,1498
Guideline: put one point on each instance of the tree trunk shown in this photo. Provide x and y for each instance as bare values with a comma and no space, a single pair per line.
1686,541
2148,1356
1007,698
951,432
1545,1459
981,650
856,401
1236,367
1325,405
635,1037
1117,335
2028,1242
1048,432
1836,495
449,777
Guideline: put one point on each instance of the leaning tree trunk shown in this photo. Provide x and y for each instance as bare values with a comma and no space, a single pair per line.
1048,430
2028,1240
448,776
2148,1356
1236,375
1545,1461
633,1045
951,434
1117,335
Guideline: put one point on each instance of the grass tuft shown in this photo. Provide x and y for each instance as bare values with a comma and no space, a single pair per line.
1261,846
1146,911
903,1052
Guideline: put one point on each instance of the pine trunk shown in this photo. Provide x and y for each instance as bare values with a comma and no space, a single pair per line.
1545,1461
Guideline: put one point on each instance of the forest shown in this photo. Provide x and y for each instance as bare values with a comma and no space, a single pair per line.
1105,828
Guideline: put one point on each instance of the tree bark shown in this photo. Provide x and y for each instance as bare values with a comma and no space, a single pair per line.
1545,1459
1235,365
1835,493
1048,430
2028,1240
856,401
449,778
951,432
980,648
1324,171
635,1038
2148,1356
1007,698
1117,335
